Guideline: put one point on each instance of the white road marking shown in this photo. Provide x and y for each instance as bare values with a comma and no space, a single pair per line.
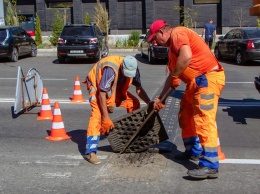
61,101
57,175
240,161
52,163
48,79
76,157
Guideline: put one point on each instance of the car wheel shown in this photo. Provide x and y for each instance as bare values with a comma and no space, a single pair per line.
61,60
217,53
33,50
105,51
14,55
240,59
151,59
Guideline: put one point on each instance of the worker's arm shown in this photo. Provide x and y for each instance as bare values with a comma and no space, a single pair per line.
182,63
183,60
142,94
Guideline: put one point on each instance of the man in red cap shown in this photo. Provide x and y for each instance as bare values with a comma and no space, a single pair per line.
191,61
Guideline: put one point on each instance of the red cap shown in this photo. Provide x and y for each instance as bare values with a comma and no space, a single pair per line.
156,25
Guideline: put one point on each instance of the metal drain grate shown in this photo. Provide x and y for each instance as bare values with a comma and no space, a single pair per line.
153,132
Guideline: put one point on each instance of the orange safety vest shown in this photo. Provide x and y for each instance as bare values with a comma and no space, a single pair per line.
95,76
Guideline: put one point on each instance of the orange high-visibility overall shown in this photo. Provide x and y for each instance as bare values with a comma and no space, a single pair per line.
118,95
205,80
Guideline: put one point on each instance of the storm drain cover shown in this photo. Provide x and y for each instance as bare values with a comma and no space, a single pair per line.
153,132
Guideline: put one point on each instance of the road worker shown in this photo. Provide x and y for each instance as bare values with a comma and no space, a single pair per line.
108,82
191,61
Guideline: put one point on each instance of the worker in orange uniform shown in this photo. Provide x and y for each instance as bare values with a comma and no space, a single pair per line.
108,82
191,61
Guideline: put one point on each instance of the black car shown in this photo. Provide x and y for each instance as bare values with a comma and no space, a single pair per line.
16,42
152,50
257,83
81,41
242,44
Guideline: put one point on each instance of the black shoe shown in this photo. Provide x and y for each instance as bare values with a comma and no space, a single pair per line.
203,172
186,156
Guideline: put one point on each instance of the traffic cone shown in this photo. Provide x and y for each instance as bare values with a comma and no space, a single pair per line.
45,113
221,155
58,132
77,94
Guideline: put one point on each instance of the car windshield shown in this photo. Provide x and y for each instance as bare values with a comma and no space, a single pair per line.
253,33
77,31
3,34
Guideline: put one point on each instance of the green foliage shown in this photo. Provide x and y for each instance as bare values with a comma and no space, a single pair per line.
38,32
11,18
188,16
57,27
101,17
122,43
87,18
134,38
258,22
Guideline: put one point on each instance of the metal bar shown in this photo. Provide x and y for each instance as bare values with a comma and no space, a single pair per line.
145,121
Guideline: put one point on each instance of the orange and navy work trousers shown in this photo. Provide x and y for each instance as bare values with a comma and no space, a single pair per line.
131,103
197,117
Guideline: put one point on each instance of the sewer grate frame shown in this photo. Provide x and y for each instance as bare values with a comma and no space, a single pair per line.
153,132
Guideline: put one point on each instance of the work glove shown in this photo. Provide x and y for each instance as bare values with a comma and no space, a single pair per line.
84,81
175,82
106,125
158,105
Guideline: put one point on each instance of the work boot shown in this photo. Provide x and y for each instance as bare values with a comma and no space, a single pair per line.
186,156
92,158
203,172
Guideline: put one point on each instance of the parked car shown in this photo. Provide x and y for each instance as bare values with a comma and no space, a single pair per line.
16,42
241,44
257,83
81,41
152,50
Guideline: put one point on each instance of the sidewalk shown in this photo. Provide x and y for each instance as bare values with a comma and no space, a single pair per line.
53,51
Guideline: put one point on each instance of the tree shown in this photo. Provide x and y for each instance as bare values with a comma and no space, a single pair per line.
240,17
38,32
188,16
87,18
57,27
101,17
11,17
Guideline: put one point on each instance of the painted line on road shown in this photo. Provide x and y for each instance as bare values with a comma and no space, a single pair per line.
240,161
48,79
61,101
239,82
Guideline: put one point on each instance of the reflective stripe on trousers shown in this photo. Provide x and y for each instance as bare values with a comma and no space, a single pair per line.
197,116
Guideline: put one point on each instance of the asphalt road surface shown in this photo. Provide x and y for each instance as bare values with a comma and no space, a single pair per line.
29,163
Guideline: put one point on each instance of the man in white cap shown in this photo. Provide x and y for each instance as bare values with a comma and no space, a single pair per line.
108,82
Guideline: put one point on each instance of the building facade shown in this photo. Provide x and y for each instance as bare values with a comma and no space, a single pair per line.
127,15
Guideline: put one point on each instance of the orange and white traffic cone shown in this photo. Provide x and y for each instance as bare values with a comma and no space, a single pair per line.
45,113
221,155
77,94
58,131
